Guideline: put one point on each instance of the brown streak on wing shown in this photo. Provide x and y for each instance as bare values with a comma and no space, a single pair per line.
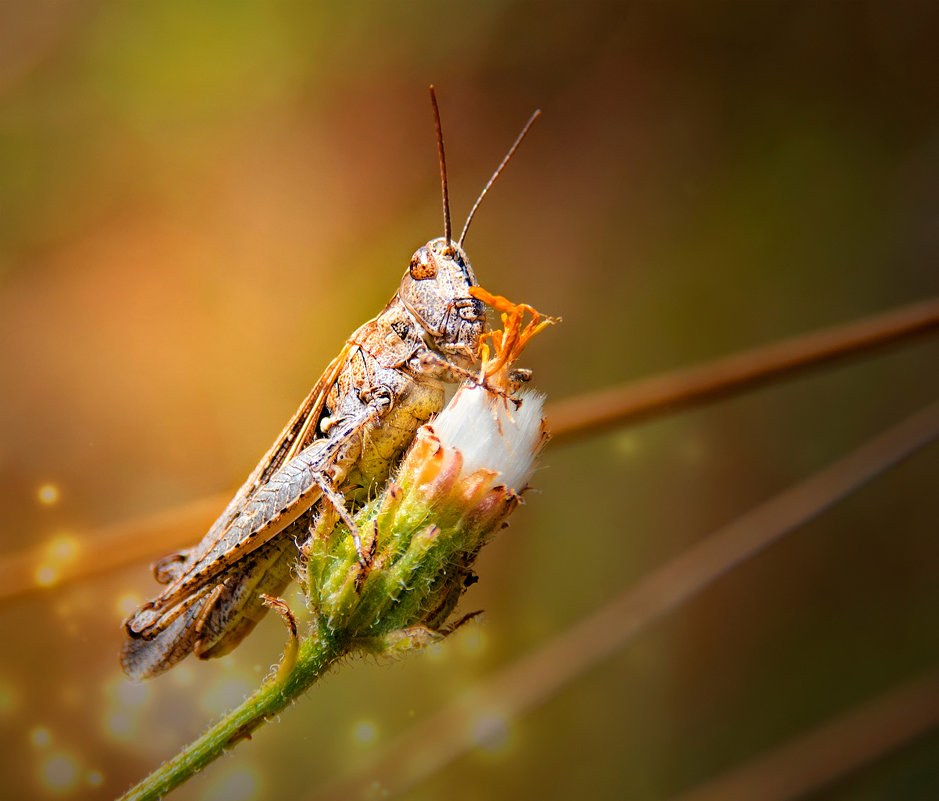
296,435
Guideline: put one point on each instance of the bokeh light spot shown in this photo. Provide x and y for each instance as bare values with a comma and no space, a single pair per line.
48,494
435,652
62,548
46,575
182,675
94,778
132,694
120,725
127,604
365,732
492,733
626,444
243,783
225,694
472,641
40,737
59,772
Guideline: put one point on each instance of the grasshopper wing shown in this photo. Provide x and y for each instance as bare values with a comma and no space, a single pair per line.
165,629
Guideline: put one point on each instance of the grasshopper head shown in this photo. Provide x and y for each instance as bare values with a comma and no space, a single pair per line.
435,290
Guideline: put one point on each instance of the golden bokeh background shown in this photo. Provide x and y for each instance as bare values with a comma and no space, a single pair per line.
200,201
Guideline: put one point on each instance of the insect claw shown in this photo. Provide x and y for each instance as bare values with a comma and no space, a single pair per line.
448,630
476,379
367,559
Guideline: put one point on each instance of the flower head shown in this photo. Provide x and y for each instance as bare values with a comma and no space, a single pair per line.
489,433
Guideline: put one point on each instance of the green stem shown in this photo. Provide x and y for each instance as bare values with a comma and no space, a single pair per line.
317,654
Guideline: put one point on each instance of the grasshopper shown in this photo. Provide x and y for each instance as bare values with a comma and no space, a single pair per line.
343,442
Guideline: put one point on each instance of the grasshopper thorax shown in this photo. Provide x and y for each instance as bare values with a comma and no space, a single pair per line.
435,290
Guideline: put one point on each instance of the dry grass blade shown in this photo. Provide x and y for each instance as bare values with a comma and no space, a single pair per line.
110,548
835,748
153,536
431,745
679,389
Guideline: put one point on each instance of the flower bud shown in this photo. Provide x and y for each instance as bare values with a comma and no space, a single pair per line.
455,487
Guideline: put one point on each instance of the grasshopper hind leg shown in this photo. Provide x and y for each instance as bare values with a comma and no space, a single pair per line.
212,622
239,605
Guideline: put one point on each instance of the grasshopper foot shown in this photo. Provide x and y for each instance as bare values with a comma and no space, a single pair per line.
367,559
429,360
280,606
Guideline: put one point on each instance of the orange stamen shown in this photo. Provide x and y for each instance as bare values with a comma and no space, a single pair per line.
506,344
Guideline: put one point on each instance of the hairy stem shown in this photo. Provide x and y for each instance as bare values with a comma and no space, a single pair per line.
317,654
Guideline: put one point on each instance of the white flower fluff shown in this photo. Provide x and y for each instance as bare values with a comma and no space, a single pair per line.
492,433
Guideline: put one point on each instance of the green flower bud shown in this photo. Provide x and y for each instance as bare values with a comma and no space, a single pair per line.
455,487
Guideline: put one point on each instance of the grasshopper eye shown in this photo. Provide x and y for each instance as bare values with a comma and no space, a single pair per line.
422,265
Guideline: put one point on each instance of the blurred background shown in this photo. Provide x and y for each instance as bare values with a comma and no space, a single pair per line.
199,202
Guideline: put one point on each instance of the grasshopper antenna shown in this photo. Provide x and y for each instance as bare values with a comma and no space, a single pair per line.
495,175
443,168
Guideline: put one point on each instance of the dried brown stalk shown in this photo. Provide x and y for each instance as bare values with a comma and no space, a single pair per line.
670,392
814,759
